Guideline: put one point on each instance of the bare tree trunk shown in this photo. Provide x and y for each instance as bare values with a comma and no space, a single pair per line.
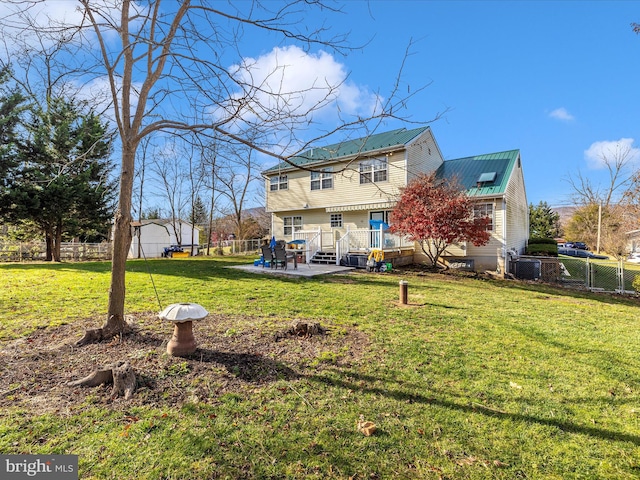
116,323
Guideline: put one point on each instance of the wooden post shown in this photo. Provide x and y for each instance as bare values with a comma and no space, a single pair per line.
404,291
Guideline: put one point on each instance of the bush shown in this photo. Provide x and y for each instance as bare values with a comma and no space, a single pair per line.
542,249
636,283
542,240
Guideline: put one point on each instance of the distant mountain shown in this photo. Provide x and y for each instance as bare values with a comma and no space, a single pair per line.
565,213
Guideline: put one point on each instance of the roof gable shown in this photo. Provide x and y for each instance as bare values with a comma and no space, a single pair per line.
349,148
482,174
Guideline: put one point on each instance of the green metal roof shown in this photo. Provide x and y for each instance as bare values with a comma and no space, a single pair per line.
371,143
475,173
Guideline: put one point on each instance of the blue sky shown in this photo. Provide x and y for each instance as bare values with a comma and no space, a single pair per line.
503,68
559,80
556,79
549,78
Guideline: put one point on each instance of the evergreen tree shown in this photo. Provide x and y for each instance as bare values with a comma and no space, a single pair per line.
60,181
199,214
543,222
11,108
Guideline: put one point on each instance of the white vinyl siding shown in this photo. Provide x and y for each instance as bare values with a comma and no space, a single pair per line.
517,212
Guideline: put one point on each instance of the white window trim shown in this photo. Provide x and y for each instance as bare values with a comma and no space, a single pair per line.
369,169
320,179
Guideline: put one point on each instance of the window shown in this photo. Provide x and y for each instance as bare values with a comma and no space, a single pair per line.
321,180
292,224
484,210
336,220
278,183
373,171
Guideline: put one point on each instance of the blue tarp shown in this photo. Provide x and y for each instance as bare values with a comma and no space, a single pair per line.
375,225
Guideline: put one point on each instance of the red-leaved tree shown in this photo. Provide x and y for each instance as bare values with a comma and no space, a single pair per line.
437,213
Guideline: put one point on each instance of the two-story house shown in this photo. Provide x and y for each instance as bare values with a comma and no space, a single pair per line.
338,198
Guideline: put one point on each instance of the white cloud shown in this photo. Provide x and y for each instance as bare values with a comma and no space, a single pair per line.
50,18
612,151
97,93
561,114
290,79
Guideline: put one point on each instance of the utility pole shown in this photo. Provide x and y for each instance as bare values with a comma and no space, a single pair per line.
599,227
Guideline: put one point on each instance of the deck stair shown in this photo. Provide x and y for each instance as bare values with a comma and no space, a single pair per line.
324,258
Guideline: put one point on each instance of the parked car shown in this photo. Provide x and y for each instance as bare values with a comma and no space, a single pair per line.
578,252
578,245
633,258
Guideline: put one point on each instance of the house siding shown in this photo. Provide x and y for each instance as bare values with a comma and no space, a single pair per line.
423,156
320,218
485,256
517,212
409,153
347,189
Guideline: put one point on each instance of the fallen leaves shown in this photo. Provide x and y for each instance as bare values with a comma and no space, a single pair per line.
365,427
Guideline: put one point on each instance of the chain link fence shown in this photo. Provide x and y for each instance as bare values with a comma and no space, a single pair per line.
232,247
596,275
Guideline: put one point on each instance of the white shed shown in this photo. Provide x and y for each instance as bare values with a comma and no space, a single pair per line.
151,237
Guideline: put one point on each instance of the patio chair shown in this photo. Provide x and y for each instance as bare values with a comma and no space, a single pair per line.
267,255
280,257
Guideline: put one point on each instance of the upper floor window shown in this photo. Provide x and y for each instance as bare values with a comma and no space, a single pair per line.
321,180
373,171
484,210
279,182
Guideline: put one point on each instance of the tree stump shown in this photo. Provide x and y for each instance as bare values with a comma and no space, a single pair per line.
119,373
305,329
106,332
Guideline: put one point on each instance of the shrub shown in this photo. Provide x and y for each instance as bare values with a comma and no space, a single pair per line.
542,240
542,249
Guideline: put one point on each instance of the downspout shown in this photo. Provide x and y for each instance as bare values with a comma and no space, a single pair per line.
504,236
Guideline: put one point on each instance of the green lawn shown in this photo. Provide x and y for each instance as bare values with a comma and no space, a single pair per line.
474,379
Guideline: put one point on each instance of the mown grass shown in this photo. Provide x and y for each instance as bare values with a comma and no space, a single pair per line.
474,379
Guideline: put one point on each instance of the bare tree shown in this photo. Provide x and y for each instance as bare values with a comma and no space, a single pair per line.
237,171
170,169
196,177
616,160
167,63
607,208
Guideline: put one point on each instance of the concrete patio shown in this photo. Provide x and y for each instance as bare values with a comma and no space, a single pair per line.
303,270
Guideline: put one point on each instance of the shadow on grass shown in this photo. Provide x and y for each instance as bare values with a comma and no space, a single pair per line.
404,396
246,366
205,268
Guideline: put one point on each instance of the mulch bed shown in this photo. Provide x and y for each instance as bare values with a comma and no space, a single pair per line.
236,354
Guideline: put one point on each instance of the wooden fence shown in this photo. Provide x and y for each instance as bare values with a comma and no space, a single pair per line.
69,251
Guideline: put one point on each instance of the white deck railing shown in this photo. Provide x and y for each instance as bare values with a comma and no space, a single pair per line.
353,241
362,241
